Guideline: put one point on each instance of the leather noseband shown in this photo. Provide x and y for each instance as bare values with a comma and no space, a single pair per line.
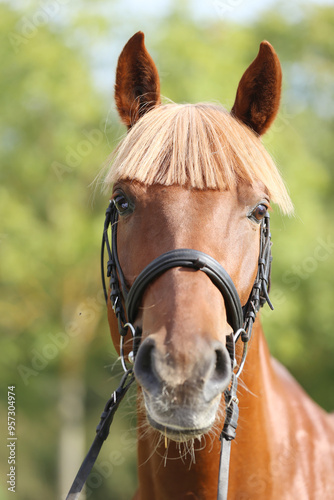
194,259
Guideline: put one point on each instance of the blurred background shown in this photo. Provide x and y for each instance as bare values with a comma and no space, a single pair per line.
57,126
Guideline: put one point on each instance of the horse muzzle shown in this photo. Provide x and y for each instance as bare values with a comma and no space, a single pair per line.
182,400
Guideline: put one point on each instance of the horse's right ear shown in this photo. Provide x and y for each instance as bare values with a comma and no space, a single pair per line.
137,88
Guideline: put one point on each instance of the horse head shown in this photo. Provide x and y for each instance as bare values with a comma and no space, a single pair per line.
190,177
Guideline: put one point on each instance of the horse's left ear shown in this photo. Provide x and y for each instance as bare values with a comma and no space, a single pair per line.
259,91
137,88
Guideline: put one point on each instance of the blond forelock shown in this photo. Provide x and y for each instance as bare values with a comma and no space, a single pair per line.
201,146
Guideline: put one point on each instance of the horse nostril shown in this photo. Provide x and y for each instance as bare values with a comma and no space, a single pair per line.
144,369
221,363
220,375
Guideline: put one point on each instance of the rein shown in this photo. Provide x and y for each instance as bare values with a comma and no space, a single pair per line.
125,303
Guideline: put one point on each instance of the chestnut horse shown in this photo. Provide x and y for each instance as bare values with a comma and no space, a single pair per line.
198,177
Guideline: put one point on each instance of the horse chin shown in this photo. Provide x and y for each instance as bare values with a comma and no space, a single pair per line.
179,435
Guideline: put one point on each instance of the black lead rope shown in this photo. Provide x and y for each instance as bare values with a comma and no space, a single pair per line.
102,432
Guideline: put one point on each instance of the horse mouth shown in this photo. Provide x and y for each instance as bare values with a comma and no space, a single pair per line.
178,434
180,422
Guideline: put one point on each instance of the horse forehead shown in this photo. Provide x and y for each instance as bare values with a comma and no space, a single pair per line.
183,213
178,203
173,197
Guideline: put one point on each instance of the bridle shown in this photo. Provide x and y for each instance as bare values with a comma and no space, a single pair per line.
125,304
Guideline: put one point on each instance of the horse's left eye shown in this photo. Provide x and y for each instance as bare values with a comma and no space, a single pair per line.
259,212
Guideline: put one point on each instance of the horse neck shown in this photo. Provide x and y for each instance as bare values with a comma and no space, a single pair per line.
195,477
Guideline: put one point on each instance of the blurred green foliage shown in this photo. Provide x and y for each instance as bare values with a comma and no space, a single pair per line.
56,129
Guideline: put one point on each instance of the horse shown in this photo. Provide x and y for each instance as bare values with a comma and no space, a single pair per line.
197,178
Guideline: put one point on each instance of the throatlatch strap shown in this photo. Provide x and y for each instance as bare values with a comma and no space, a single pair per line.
102,432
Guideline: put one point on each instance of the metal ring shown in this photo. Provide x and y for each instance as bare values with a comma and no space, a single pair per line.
131,357
243,359
132,328
121,347
237,334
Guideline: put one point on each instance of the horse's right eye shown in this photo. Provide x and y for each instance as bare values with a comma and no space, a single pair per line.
121,203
